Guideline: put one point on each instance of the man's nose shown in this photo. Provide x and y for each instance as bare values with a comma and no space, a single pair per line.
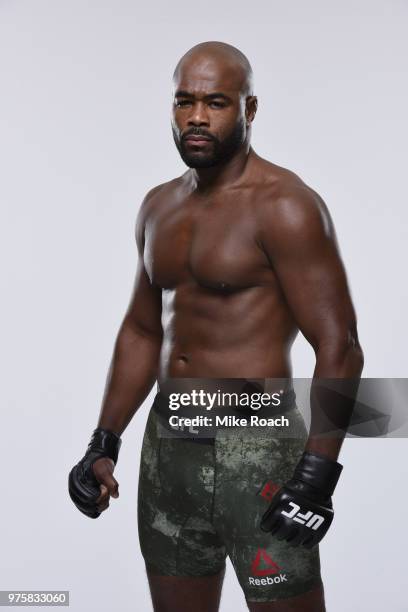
198,115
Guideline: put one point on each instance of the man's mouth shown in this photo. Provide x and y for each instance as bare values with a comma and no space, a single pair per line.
197,140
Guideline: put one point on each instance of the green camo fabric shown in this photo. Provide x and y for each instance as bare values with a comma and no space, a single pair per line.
198,503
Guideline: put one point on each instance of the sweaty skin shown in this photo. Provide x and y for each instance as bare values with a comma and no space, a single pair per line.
234,259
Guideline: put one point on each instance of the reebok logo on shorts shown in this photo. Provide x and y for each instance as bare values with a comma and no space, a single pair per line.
263,565
267,580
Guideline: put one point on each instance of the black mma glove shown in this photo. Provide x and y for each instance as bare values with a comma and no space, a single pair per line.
83,487
301,511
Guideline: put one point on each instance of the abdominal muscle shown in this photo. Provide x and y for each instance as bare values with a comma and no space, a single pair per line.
246,333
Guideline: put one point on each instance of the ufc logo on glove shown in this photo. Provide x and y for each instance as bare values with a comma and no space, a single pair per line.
309,519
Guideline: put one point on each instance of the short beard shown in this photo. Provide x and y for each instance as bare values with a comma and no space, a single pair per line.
222,150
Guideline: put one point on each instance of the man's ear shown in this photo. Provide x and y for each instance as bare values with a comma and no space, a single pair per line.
251,105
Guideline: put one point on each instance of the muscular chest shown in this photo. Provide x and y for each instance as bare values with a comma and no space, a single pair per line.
214,245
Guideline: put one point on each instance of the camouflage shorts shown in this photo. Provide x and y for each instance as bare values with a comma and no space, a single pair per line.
199,502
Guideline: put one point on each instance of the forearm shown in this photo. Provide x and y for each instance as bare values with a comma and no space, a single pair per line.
132,373
332,396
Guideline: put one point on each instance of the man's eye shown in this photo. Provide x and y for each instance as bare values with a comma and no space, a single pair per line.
214,104
182,103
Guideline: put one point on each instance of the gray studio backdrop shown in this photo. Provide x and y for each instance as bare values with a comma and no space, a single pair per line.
84,133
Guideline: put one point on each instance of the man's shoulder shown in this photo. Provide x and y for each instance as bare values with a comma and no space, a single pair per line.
286,201
164,189
275,182
156,195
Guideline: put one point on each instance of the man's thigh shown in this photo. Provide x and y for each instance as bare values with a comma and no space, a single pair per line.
269,570
185,594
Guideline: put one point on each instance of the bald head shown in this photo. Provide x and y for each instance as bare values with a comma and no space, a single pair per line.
217,61
212,99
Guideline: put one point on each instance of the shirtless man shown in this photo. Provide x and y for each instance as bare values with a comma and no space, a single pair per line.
235,257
